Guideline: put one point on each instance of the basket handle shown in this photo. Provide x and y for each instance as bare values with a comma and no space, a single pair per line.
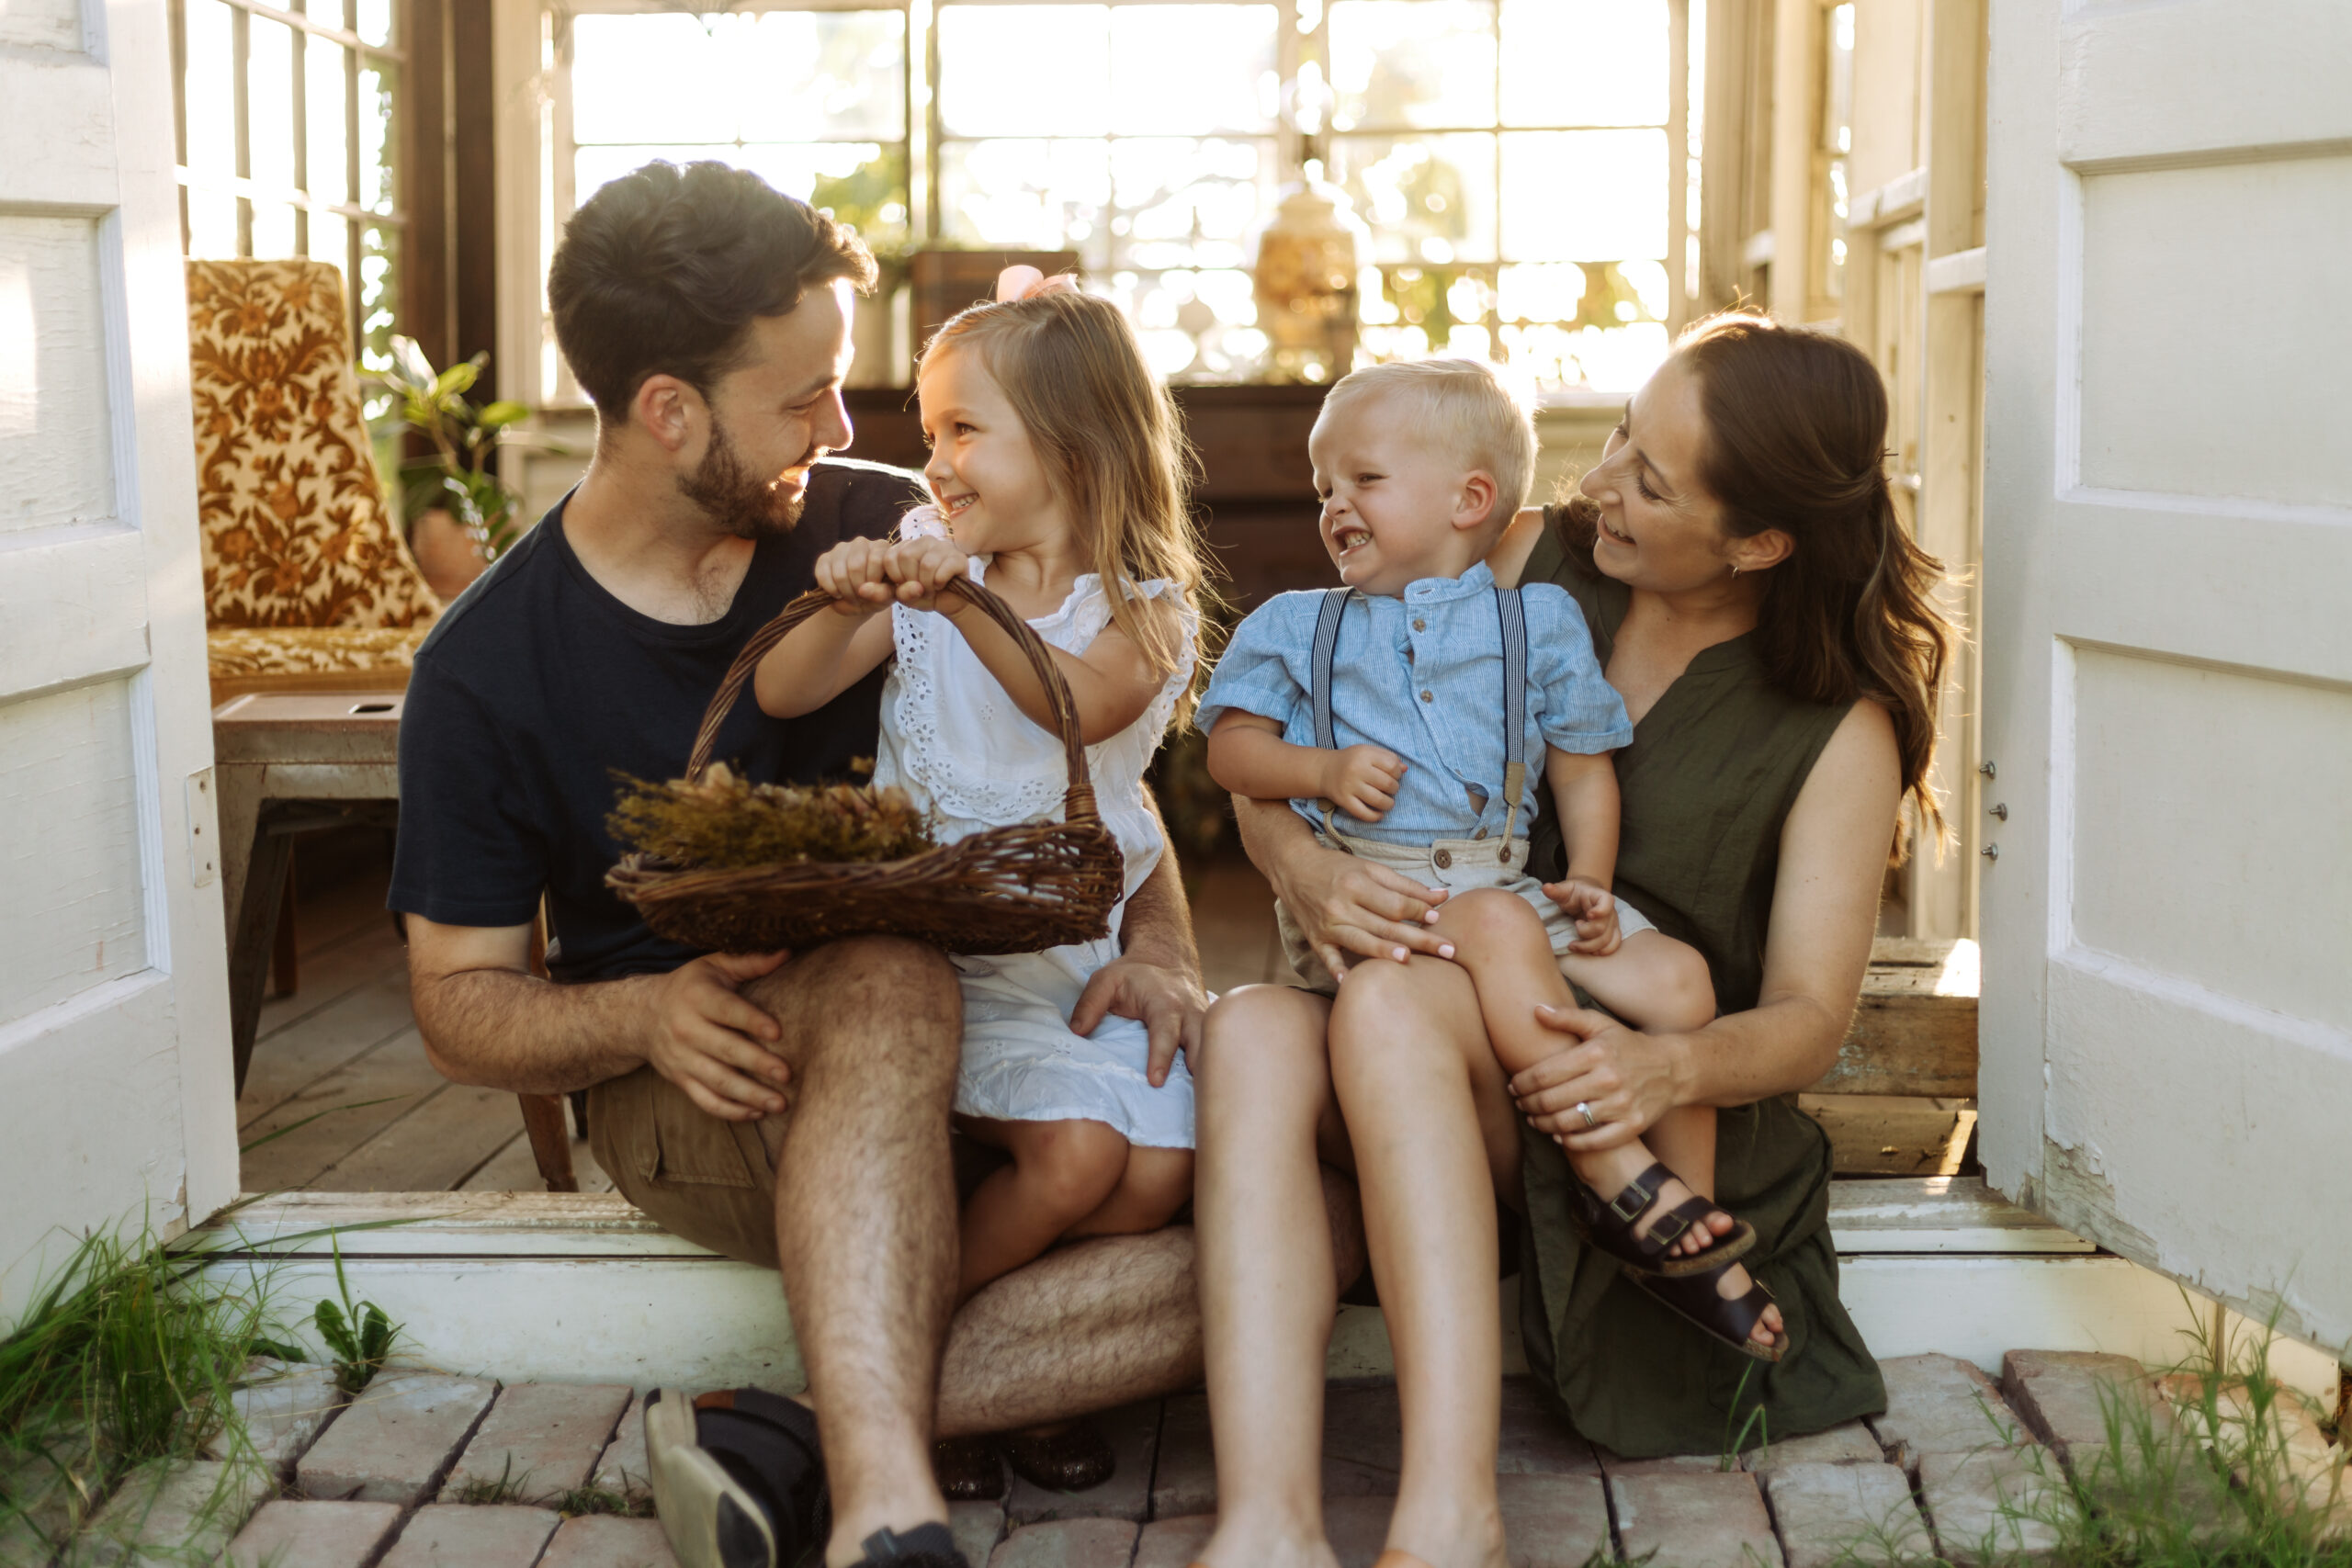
1077,801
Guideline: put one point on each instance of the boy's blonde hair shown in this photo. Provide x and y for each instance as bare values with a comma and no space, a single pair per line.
1109,439
1464,409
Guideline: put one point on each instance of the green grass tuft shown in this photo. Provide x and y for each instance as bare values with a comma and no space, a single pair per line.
595,1499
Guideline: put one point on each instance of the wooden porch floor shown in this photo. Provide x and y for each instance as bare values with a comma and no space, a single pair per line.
346,1038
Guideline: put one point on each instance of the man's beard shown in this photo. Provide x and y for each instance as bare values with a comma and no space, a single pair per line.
745,504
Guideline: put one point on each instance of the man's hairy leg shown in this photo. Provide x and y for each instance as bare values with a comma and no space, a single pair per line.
1095,1325
865,1214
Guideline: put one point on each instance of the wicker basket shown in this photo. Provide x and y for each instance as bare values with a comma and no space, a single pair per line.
1017,889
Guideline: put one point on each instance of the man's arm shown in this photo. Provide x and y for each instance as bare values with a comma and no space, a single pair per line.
1156,977
486,1020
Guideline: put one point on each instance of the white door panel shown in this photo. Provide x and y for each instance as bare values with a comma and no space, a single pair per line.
113,1055
2167,1017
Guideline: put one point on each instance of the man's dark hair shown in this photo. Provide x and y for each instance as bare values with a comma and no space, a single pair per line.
663,272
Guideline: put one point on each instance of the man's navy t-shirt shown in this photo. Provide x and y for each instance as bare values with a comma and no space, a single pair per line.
537,686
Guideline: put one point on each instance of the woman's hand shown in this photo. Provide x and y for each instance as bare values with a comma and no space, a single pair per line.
1347,907
1626,1077
921,567
856,573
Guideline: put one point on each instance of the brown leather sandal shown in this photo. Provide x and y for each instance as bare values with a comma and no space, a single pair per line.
1071,1456
1731,1319
1610,1226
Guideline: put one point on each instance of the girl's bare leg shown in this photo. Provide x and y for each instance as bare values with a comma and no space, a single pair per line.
1263,1089
1155,1184
1061,1172
1501,944
1434,1135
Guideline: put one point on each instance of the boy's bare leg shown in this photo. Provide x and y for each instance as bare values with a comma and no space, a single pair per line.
1267,1284
1435,1137
1155,1184
865,1214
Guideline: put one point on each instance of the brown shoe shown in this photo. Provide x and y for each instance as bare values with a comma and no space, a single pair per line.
969,1469
1073,1456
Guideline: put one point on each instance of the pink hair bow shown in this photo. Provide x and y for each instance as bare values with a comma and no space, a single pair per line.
1024,282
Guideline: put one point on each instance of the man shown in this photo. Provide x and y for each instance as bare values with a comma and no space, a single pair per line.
787,1108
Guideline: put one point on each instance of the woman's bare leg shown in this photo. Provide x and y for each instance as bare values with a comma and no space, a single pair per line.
1263,1089
1434,1136
1501,944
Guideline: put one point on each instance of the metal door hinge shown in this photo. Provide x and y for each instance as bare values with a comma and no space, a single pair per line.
203,830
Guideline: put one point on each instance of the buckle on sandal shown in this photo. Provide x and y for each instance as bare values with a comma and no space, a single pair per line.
1643,1198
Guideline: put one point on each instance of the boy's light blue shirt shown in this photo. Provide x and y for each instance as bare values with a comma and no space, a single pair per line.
1422,675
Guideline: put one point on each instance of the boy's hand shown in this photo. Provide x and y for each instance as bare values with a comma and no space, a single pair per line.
921,567
1362,781
855,572
1594,909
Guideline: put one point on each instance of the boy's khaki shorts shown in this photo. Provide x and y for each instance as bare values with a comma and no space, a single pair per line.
1458,865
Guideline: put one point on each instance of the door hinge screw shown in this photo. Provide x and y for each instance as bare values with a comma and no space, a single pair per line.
1989,770
1991,852
1999,808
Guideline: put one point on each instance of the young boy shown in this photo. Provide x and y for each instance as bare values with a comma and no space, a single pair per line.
1414,701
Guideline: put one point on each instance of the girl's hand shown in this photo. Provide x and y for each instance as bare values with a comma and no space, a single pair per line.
1362,781
921,567
1594,909
1627,1078
855,572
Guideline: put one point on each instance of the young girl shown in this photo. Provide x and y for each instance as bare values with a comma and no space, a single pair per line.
1057,471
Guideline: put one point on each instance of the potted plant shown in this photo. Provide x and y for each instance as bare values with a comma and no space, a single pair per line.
461,514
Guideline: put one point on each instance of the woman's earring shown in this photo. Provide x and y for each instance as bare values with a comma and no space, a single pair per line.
1734,569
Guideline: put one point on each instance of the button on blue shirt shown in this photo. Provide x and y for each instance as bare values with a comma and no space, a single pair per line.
1423,676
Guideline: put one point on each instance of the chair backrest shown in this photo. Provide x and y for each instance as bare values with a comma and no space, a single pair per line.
295,533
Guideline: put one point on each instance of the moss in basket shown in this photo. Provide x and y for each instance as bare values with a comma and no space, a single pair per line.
724,822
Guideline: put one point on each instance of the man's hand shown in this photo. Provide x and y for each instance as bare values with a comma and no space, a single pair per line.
703,1036
1362,781
856,572
1168,1002
1594,909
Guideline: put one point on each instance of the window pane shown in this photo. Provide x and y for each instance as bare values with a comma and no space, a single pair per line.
269,98
323,96
1428,199
807,75
640,79
375,20
211,111
329,12
379,295
1186,203
211,224
1025,70
1413,62
1182,70
331,242
1583,61
1027,195
274,230
377,82
791,168
1606,359
1584,195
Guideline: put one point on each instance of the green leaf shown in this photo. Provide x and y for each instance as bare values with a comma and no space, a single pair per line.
503,413
334,1331
282,1350
456,378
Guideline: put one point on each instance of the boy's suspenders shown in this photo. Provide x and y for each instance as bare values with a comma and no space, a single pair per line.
1511,610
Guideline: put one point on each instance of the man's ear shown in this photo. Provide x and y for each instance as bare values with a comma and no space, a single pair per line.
1760,552
1475,500
668,410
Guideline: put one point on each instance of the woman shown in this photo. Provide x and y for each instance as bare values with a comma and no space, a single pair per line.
1769,623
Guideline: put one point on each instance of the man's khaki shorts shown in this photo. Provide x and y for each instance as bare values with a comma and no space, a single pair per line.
707,1180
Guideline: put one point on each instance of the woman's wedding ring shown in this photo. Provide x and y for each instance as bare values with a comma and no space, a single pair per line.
1584,1109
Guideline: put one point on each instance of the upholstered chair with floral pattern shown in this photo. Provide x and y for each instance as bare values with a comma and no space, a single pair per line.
308,584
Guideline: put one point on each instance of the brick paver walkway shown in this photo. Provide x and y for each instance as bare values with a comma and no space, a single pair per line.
425,1471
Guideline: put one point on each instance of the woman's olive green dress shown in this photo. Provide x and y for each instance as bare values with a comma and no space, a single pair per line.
1709,779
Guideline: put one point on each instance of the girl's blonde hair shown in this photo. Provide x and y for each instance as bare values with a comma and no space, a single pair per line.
1109,439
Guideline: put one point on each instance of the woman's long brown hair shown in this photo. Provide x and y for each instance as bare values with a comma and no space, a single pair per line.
1796,440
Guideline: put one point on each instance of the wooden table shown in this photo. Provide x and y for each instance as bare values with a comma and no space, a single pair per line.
287,764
